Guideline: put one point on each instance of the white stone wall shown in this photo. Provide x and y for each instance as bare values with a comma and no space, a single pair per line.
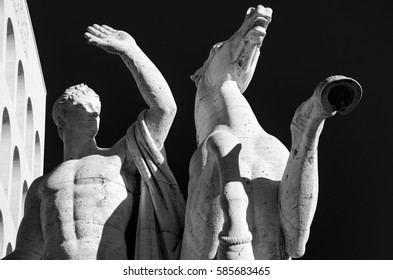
22,116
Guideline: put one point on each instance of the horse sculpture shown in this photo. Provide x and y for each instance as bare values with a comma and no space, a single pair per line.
248,196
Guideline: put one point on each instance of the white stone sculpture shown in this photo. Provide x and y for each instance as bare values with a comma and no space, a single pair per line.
248,197
81,209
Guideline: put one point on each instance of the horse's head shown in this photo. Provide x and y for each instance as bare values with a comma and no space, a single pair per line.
235,59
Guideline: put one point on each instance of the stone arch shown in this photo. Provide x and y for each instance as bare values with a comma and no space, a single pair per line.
5,149
9,249
16,193
10,54
20,97
37,156
29,132
24,194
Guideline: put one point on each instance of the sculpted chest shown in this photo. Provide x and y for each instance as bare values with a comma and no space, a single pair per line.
89,188
94,169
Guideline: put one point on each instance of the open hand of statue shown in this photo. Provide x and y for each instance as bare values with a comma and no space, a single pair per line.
109,39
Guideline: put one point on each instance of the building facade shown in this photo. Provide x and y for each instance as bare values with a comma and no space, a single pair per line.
22,116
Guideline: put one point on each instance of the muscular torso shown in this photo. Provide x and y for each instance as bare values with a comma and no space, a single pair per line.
86,205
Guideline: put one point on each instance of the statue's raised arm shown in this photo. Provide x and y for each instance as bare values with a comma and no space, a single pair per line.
151,83
81,209
161,207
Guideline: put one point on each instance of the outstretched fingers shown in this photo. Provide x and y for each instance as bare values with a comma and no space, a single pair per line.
92,39
94,31
98,31
102,30
109,39
93,36
108,28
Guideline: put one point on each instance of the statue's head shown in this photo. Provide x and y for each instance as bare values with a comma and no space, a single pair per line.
236,58
79,106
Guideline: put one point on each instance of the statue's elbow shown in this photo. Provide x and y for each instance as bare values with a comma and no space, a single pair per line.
170,109
166,111
173,109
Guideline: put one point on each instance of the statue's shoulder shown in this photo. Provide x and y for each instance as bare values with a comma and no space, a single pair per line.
33,193
38,181
121,149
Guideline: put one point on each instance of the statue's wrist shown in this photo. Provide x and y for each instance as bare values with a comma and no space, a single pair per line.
130,50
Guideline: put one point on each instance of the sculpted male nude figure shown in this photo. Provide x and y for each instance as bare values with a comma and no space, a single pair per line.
81,209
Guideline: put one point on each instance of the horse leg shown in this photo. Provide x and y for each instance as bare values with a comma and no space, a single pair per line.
298,189
235,237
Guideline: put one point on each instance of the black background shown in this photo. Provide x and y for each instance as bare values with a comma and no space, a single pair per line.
307,41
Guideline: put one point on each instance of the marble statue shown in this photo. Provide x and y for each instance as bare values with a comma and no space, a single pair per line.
248,196
81,209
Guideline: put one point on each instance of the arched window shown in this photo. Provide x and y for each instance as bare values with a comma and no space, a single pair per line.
10,54
16,186
5,149
37,156
9,249
29,136
24,194
20,98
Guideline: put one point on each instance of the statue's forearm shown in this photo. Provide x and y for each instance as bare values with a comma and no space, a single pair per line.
299,186
149,80
155,91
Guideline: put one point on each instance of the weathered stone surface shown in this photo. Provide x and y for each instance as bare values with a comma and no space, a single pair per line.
81,209
22,116
248,196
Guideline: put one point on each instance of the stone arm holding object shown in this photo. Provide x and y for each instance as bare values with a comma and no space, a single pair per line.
298,191
248,196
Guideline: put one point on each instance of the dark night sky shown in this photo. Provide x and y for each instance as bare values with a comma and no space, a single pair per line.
307,41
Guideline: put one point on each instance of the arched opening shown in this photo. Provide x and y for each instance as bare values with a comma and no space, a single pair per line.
29,136
1,28
16,193
5,149
24,194
10,54
37,156
20,98
1,233
9,249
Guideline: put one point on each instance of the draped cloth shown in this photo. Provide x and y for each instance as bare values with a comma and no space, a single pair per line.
161,207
